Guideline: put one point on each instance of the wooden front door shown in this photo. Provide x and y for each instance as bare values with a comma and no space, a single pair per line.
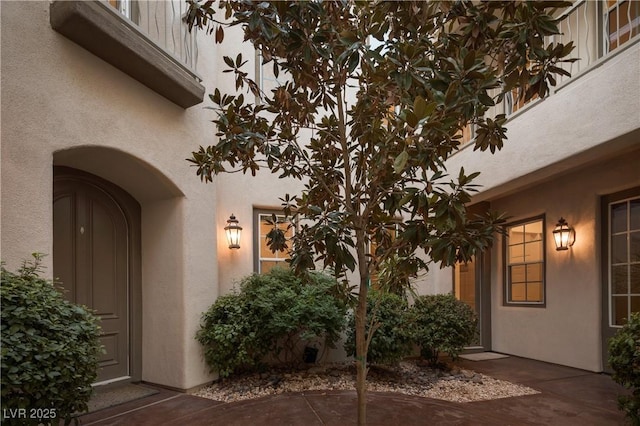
93,259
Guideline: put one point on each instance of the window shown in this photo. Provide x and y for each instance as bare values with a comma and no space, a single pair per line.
265,260
467,133
122,6
524,261
265,76
622,20
624,259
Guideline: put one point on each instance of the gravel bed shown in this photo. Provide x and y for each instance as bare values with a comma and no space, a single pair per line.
411,378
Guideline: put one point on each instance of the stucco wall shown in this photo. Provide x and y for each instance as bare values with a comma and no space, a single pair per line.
240,193
567,330
56,98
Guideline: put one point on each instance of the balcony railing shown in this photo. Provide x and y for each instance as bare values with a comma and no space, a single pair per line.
161,21
597,29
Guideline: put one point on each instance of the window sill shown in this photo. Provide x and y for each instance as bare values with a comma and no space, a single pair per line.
113,39
525,305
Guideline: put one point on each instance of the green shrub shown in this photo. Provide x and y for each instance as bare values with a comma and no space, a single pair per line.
50,350
624,358
390,342
270,316
228,335
441,323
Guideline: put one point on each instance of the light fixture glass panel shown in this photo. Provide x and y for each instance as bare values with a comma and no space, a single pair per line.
233,237
620,279
619,249
619,217
233,232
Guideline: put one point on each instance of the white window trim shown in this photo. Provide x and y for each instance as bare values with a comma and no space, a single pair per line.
507,284
257,214
609,258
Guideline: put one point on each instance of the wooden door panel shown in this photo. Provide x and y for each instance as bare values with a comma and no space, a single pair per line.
110,357
91,258
108,278
107,247
64,242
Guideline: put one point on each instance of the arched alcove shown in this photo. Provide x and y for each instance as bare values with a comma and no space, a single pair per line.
139,178
160,306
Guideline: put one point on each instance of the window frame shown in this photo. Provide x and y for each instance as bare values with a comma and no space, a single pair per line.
262,77
257,213
505,258
607,202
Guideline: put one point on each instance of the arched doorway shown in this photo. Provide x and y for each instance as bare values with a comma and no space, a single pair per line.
96,256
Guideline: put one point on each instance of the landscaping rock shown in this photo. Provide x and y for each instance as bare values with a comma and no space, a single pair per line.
409,377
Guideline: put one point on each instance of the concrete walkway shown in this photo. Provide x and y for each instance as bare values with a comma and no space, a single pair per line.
567,397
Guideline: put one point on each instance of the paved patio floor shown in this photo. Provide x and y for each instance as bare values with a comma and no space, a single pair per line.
567,397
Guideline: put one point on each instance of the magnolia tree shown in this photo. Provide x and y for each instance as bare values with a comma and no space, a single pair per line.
384,89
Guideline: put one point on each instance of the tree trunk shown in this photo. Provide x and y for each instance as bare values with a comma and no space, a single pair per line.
361,353
361,328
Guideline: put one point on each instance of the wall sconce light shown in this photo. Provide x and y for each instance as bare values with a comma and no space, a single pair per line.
564,235
233,231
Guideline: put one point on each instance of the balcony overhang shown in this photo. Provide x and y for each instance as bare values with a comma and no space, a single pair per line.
102,32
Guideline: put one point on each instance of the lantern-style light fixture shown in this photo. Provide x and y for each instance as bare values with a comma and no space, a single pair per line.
564,235
233,231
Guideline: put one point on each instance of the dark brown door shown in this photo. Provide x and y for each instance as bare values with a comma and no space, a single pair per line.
92,259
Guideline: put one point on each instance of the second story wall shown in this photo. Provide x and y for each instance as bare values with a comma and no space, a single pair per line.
594,115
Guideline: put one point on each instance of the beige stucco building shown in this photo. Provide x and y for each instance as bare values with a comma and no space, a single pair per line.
101,107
